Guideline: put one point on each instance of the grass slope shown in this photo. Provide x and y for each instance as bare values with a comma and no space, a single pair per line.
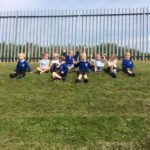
37,113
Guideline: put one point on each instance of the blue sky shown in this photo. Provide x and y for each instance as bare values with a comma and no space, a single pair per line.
70,4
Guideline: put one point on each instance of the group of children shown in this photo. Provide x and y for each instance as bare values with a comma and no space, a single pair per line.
60,66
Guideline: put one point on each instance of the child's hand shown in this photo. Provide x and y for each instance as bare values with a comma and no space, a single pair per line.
62,72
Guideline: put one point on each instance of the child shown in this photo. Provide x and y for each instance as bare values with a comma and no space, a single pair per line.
21,68
71,58
44,64
62,70
112,65
98,63
127,64
54,63
84,67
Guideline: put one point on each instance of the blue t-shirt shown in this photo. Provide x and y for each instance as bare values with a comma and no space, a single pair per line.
23,66
63,68
127,64
83,65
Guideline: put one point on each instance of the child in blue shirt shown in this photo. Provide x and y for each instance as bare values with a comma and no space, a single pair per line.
21,68
127,65
62,70
71,58
84,67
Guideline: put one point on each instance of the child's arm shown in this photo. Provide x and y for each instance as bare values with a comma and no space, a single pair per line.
17,66
76,55
28,68
76,64
64,53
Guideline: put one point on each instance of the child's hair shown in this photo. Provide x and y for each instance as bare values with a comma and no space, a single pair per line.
56,55
83,55
44,54
62,58
127,52
112,56
23,55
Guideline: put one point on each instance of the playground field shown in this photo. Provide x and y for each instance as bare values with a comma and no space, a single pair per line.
39,114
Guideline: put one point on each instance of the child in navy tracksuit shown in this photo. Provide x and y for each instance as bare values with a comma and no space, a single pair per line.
62,70
21,68
71,58
84,67
127,65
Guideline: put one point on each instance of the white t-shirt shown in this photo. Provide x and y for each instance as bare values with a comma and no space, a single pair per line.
53,61
99,63
112,63
44,63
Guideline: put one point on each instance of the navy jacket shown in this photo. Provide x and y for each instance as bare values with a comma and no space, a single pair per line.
70,60
84,66
127,64
23,66
63,68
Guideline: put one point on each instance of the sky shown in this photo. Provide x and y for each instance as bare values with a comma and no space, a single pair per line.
7,5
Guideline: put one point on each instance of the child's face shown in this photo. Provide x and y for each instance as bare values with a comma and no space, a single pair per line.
45,56
55,57
21,57
113,57
128,55
98,57
71,53
83,57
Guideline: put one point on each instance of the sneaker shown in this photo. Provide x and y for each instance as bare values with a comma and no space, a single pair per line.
63,78
86,80
77,81
20,76
41,72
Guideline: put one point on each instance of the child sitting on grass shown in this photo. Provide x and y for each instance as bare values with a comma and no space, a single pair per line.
112,65
54,63
21,68
71,58
62,71
84,67
44,64
127,64
98,63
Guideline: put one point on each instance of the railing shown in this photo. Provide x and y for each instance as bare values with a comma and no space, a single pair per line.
98,31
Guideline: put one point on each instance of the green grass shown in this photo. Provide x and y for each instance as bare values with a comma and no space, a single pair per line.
39,114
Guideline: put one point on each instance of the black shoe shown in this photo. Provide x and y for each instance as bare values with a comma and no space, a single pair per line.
20,76
133,75
11,76
63,78
55,79
77,81
113,75
86,80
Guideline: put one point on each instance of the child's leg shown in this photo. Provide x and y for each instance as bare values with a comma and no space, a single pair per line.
53,68
39,69
80,77
130,72
85,78
95,68
46,70
55,75
13,75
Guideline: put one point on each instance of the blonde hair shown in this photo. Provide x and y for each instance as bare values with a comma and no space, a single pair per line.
22,54
44,54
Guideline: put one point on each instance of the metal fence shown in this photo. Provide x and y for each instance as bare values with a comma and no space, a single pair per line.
96,31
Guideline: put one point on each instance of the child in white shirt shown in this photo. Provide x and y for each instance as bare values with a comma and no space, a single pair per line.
98,63
44,64
112,65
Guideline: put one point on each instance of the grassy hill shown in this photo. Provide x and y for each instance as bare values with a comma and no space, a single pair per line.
39,114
